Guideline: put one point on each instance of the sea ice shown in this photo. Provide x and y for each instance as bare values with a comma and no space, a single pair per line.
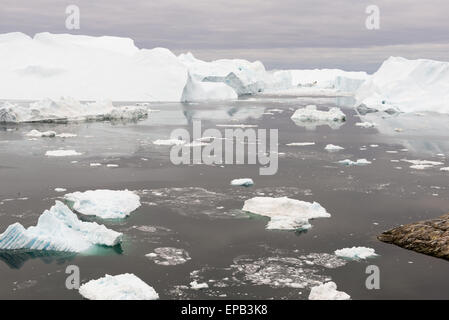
62,153
285,213
356,253
125,286
246,182
58,229
106,204
327,291
168,256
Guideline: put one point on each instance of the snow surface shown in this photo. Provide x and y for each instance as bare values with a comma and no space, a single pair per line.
310,113
356,253
285,213
58,229
68,109
327,291
106,204
407,86
125,286
246,182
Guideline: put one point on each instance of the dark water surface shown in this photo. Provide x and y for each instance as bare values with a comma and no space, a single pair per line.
194,208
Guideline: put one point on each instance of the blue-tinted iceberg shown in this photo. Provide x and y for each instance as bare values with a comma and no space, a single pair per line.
58,229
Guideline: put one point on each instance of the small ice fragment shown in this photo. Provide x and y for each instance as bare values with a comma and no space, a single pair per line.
62,153
356,253
246,182
168,142
333,147
359,162
112,165
300,144
327,291
60,190
66,135
120,287
37,134
95,164
365,124
198,286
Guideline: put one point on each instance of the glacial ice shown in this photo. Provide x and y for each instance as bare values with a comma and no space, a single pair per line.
327,291
202,91
310,113
105,204
68,109
58,229
285,213
125,286
356,253
246,182
407,86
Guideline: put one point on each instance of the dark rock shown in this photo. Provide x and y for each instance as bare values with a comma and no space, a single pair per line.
430,237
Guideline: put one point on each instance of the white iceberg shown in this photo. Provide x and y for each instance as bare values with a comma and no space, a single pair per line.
286,213
125,286
201,91
327,291
356,253
62,153
246,182
58,229
359,162
106,204
333,147
68,109
407,86
38,134
310,113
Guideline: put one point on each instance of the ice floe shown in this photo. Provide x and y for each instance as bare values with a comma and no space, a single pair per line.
310,113
168,256
285,213
106,204
365,124
60,189
37,134
125,286
359,162
333,147
198,286
246,182
422,164
58,229
356,253
327,291
62,153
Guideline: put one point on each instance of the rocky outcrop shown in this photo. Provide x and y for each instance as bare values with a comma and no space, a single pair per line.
429,237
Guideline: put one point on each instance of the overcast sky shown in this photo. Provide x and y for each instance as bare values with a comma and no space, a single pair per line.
280,33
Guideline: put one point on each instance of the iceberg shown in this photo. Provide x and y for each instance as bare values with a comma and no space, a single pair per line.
58,229
355,253
333,147
125,286
68,109
39,134
285,213
201,91
311,114
105,204
407,86
327,291
246,182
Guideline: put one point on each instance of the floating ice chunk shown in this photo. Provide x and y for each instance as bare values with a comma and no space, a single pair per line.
356,253
300,144
168,142
285,213
37,134
125,286
95,164
422,164
112,165
246,182
198,286
106,204
333,147
58,229
66,135
310,113
168,256
365,124
359,162
60,189
444,169
327,291
62,153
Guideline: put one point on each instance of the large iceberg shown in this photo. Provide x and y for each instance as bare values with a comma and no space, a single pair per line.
106,204
67,109
58,229
407,86
125,286
199,90
286,213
